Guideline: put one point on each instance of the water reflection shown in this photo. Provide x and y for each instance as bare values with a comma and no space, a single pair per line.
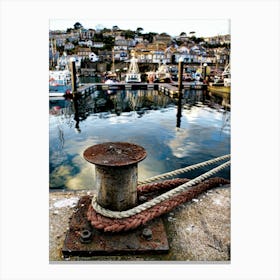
100,101
174,136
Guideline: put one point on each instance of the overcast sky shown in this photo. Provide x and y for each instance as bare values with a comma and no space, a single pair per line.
173,27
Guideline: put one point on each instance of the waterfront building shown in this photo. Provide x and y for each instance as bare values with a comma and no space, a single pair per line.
84,52
53,58
86,34
69,46
87,43
138,39
162,38
219,39
93,57
120,54
98,45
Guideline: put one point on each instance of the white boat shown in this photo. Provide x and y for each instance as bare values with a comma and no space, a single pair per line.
163,74
223,79
197,76
110,82
133,75
60,91
60,82
226,76
59,77
56,94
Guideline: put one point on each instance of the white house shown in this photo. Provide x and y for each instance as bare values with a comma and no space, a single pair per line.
69,46
98,44
93,57
87,43
158,56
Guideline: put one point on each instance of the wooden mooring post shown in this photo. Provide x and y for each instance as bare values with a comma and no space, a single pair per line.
73,77
180,87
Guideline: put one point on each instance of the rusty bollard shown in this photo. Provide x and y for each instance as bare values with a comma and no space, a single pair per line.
116,173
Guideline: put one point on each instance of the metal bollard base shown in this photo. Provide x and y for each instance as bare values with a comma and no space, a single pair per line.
104,243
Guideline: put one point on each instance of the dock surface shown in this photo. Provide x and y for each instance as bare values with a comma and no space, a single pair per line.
197,231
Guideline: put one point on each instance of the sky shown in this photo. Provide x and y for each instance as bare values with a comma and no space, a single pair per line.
201,27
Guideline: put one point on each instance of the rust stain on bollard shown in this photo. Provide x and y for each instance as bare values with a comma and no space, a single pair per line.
116,173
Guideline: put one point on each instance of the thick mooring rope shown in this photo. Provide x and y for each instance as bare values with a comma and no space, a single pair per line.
117,225
183,170
142,207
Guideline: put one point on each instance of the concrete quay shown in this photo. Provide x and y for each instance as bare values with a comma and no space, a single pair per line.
197,231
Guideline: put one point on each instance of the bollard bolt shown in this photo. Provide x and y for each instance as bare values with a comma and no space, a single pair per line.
85,236
147,233
142,198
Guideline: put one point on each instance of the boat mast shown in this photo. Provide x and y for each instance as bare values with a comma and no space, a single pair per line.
133,67
216,70
113,61
53,48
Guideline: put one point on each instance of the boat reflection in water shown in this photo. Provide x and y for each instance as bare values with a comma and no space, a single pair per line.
172,139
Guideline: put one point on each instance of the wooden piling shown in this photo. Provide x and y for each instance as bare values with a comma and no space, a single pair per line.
73,77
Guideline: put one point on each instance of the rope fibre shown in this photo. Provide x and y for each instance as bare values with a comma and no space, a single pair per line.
142,207
183,170
119,225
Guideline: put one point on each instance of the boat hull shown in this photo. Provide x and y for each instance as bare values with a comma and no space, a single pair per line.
133,78
56,94
218,89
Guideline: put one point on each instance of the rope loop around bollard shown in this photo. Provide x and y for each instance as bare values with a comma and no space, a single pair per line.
169,194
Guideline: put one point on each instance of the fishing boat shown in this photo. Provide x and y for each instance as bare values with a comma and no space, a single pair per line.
59,77
162,74
133,75
218,89
60,91
221,84
60,82
151,76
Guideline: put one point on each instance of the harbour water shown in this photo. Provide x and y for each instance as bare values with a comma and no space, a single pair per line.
144,117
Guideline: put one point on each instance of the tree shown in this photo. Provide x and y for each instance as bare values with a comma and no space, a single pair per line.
129,34
69,30
183,34
149,36
198,39
77,25
164,34
139,30
108,43
98,37
105,30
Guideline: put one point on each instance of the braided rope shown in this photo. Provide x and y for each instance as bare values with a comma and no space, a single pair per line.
161,186
183,170
119,225
142,207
